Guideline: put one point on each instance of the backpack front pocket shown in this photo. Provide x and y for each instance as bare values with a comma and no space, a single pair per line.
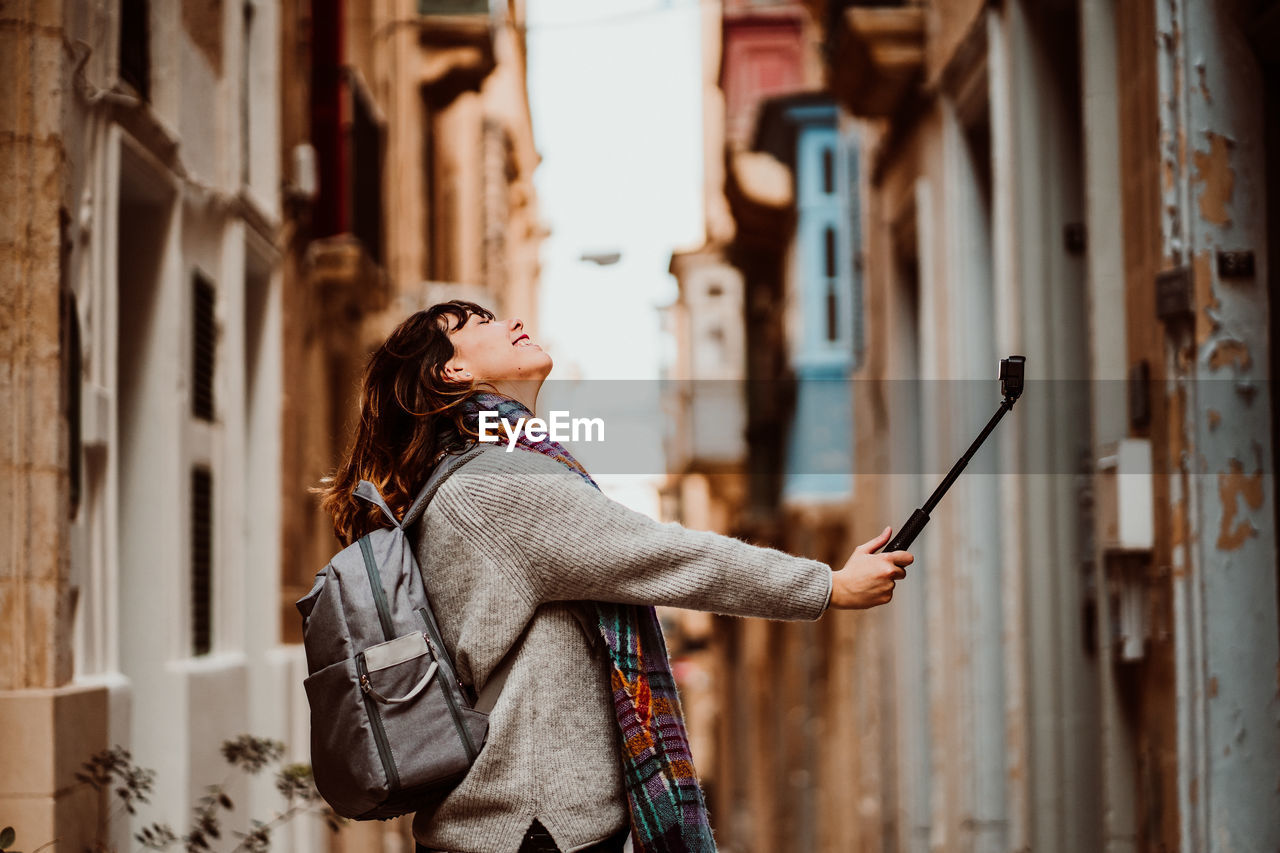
406,690
390,662
393,675
347,765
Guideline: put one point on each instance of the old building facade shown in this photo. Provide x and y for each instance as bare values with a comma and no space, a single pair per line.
762,420
142,378
212,212
1084,656
415,114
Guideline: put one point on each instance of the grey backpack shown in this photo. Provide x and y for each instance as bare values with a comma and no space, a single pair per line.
392,730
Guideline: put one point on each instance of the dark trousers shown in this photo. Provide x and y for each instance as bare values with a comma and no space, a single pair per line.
538,840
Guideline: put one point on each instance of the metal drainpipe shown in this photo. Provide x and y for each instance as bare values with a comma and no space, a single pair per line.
1109,363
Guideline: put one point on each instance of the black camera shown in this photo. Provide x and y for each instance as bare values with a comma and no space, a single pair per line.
1011,376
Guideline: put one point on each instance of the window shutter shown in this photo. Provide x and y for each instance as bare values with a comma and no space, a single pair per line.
135,46
204,343
201,560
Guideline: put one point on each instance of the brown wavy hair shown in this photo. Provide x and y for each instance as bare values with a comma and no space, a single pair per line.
409,414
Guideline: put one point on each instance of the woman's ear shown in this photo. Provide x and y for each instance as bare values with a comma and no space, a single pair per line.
456,372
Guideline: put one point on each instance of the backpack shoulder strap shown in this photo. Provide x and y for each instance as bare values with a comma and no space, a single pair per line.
488,697
444,468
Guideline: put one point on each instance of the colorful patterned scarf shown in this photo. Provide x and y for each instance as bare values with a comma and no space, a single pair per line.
668,814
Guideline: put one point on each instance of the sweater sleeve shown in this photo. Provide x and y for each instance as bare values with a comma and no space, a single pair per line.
564,540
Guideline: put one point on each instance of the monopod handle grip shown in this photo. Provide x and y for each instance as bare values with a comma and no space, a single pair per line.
909,532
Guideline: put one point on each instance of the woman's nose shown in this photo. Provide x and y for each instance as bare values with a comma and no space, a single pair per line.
516,323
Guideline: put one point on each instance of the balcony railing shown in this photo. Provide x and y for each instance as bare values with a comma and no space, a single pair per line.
347,282
453,7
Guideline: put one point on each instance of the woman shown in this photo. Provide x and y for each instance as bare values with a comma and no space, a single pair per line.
531,570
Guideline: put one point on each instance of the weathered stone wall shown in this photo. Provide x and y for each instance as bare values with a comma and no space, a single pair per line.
35,600
46,728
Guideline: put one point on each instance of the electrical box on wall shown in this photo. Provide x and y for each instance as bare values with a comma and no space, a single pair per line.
1125,506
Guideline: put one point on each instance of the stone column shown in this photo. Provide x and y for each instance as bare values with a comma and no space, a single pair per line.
47,726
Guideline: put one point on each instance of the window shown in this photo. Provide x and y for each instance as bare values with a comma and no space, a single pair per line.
826,228
833,322
135,48
431,238
854,262
201,560
72,376
366,175
246,69
831,303
203,347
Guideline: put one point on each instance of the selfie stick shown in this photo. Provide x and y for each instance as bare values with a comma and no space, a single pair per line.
1011,389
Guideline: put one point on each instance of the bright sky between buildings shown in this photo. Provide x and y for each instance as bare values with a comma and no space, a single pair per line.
615,90
617,113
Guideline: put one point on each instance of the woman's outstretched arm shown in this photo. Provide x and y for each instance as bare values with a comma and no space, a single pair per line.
567,541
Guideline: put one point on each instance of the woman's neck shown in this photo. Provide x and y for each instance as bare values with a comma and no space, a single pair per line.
523,391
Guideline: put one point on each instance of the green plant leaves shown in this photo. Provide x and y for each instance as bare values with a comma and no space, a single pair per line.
250,753
294,782
156,836
113,773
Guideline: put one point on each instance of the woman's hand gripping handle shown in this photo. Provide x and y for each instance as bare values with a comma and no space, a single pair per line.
868,578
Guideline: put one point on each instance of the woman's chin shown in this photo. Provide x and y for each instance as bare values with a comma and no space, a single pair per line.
531,370
540,367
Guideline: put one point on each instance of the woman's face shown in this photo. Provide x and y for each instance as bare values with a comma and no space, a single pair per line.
494,351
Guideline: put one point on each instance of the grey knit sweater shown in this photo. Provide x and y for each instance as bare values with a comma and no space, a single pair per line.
509,547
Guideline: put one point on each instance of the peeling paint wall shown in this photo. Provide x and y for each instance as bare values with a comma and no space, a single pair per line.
1212,99
1170,743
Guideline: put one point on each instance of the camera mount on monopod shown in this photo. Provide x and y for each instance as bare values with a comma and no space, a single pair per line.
1011,370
